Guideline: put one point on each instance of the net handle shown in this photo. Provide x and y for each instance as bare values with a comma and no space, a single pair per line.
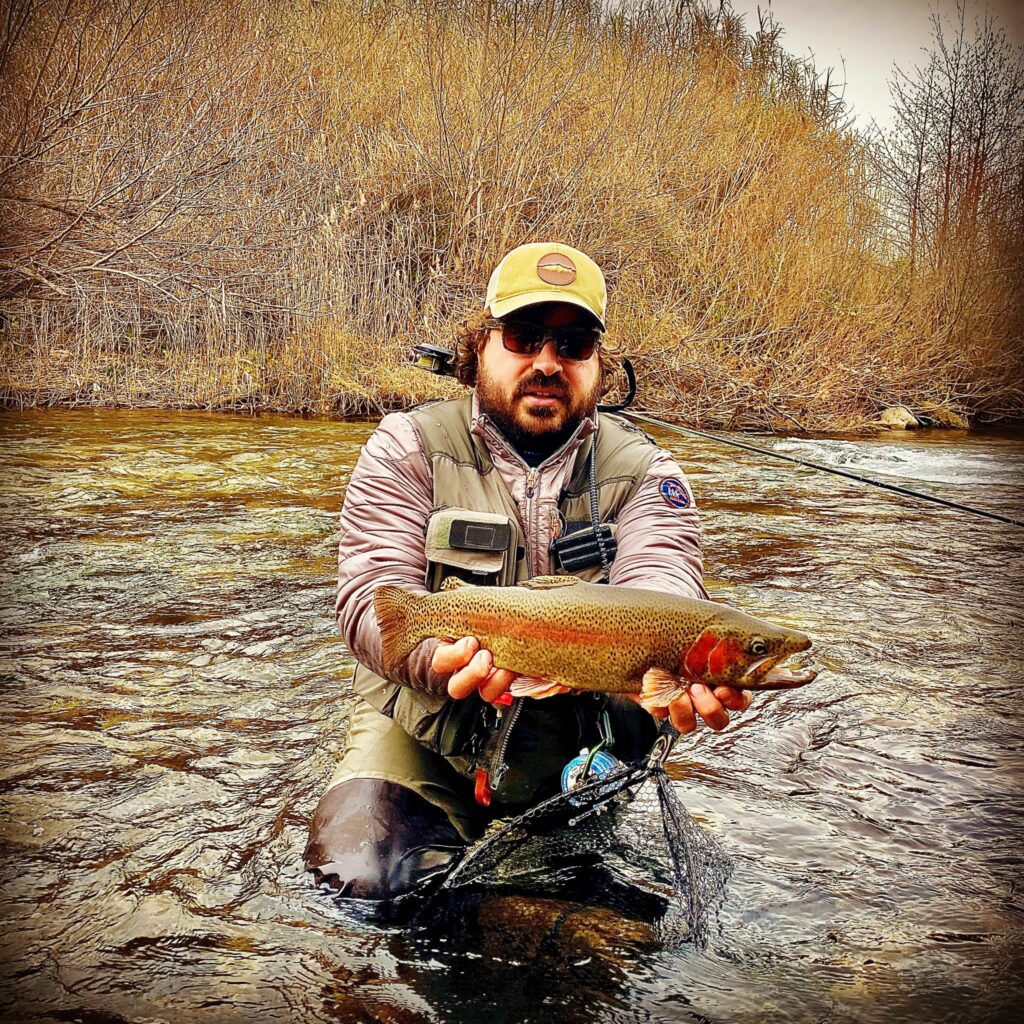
667,736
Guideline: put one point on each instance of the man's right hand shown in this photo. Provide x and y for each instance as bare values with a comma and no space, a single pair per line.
472,670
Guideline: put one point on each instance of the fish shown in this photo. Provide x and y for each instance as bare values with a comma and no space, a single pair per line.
561,634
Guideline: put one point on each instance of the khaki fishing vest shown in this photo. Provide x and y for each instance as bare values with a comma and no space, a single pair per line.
464,478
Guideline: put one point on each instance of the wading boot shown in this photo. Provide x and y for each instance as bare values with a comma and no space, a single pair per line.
376,840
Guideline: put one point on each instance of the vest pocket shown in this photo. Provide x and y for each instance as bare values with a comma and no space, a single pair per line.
378,692
452,728
477,547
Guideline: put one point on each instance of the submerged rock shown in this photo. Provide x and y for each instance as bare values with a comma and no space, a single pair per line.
898,417
934,415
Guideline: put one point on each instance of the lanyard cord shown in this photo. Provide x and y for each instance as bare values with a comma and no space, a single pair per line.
830,469
595,513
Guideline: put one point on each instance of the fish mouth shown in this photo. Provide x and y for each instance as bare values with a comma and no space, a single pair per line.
766,674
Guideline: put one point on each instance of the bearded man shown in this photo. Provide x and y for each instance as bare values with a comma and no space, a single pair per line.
522,478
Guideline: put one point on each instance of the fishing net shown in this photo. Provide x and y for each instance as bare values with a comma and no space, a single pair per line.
623,841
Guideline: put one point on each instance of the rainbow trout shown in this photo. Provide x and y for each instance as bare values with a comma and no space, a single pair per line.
559,634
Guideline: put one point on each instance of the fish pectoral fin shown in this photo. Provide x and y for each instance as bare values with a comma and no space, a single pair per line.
550,582
533,686
659,688
453,583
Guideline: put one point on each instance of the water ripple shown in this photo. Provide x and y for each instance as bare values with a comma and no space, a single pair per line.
175,698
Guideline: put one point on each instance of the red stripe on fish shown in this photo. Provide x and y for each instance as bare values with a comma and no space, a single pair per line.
695,662
483,624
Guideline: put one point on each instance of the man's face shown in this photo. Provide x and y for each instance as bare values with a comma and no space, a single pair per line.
538,401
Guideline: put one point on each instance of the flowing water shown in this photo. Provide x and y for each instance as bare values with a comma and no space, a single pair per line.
174,697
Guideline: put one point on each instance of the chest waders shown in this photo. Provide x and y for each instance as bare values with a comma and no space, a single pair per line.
474,532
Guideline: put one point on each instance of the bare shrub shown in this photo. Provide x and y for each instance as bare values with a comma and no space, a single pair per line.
153,183
262,206
954,172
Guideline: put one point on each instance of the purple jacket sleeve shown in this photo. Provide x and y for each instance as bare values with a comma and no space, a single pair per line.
659,543
388,500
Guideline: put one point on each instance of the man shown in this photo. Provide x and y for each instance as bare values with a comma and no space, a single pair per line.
486,488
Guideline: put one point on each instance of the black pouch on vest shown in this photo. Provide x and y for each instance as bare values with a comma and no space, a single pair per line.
452,728
580,548
478,547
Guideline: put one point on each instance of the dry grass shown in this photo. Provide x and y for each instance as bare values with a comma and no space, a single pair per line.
262,207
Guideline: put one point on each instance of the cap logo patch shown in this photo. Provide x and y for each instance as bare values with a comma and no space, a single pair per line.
556,269
674,493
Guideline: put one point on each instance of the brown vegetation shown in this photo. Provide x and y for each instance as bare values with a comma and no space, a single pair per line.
262,206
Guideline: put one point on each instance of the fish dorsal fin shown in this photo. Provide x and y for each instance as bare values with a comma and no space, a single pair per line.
453,583
550,582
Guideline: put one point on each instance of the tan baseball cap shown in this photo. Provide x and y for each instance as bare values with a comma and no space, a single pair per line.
546,272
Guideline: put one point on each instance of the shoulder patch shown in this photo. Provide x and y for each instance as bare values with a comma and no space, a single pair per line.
674,493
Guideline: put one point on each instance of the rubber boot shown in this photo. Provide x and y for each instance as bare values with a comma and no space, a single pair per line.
376,840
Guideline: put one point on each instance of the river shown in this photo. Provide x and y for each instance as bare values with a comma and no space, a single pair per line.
174,697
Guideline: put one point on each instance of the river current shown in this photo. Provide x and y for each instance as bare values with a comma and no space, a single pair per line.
174,696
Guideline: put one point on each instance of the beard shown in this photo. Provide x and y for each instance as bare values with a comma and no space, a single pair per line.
537,429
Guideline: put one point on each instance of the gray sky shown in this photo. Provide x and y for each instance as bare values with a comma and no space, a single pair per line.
868,36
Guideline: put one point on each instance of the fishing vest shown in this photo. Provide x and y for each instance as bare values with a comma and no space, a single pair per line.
465,480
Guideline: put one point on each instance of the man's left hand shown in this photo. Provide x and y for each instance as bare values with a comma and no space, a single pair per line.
713,706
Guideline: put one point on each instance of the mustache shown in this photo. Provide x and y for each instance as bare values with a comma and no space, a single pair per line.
554,382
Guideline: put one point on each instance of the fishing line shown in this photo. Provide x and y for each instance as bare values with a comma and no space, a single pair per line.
958,506
441,361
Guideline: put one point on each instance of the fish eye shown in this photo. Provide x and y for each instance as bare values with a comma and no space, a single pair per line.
758,646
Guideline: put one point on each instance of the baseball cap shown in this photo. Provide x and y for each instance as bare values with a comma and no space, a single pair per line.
546,272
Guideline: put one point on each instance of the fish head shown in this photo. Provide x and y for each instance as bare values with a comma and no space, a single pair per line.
745,652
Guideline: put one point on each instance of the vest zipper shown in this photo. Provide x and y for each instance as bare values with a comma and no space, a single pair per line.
498,767
531,526
498,764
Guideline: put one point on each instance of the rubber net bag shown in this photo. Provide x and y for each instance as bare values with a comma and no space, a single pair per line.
624,841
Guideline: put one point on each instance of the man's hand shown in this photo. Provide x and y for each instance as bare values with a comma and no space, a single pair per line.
711,705
472,670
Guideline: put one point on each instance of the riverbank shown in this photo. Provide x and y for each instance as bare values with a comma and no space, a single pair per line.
701,389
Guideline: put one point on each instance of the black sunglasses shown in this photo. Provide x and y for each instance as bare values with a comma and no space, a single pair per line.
573,343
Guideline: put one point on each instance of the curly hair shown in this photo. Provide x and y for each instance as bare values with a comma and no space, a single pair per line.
471,334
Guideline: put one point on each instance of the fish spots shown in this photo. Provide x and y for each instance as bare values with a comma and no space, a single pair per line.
488,625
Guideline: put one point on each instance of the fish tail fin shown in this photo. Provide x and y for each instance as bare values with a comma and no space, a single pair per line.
399,636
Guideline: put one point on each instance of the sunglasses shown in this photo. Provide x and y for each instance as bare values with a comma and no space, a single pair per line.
573,343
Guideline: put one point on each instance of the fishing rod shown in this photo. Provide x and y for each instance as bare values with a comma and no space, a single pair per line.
958,506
